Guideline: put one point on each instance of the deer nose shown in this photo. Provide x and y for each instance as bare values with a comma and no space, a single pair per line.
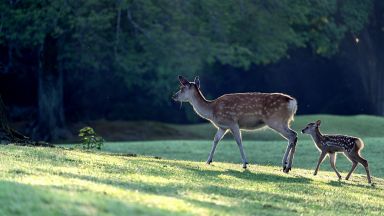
302,131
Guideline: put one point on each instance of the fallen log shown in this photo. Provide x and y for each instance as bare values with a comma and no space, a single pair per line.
9,135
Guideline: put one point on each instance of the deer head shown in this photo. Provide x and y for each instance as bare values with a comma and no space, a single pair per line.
187,90
311,127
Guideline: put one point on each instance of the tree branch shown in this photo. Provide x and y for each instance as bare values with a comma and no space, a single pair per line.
137,26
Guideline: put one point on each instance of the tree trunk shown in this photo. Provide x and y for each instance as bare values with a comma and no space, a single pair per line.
5,130
118,30
50,122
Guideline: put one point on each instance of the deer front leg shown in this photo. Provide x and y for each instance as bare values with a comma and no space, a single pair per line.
321,158
237,135
219,135
332,160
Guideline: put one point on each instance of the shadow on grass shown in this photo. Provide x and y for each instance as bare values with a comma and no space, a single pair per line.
180,191
24,199
362,184
240,174
239,199
155,169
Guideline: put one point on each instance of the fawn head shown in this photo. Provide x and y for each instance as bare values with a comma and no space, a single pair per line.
187,90
311,127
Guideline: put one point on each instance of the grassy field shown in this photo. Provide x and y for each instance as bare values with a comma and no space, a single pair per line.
360,125
171,178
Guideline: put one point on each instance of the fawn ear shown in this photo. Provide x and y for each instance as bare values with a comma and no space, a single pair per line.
318,122
197,81
183,81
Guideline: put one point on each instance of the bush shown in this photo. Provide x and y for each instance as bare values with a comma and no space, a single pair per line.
89,139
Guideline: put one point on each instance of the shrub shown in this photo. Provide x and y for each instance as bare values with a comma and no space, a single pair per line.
89,139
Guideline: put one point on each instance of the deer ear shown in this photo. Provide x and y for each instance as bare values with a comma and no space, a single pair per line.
183,81
318,122
197,81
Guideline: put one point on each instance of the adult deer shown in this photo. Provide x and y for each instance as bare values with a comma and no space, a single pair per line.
243,111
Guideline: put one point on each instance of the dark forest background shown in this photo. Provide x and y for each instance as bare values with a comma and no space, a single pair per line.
67,61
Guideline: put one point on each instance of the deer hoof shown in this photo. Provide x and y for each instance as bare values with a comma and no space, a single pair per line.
244,166
209,162
314,174
287,169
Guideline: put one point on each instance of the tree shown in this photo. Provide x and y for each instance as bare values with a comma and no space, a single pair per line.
362,53
38,25
169,37
149,42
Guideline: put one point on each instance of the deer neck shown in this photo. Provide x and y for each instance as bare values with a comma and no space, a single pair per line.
201,105
318,138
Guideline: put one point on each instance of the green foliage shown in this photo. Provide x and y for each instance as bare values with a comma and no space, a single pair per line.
149,42
89,139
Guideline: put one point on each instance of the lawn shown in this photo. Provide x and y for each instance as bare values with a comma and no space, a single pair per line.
359,125
171,178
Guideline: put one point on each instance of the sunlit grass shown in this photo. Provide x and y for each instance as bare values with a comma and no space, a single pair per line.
358,125
171,177
258,153
46,181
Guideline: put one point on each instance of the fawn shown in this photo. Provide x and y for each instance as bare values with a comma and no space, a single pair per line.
331,144
243,111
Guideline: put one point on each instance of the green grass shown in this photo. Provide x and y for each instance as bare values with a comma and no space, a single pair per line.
360,125
171,178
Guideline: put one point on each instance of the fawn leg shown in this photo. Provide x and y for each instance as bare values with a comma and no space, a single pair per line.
237,135
219,135
321,158
332,159
354,164
363,162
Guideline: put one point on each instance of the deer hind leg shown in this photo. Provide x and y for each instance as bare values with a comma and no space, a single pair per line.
237,135
292,144
219,135
363,162
332,160
291,136
354,164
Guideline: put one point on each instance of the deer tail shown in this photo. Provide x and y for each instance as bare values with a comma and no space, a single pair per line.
292,107
359,144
